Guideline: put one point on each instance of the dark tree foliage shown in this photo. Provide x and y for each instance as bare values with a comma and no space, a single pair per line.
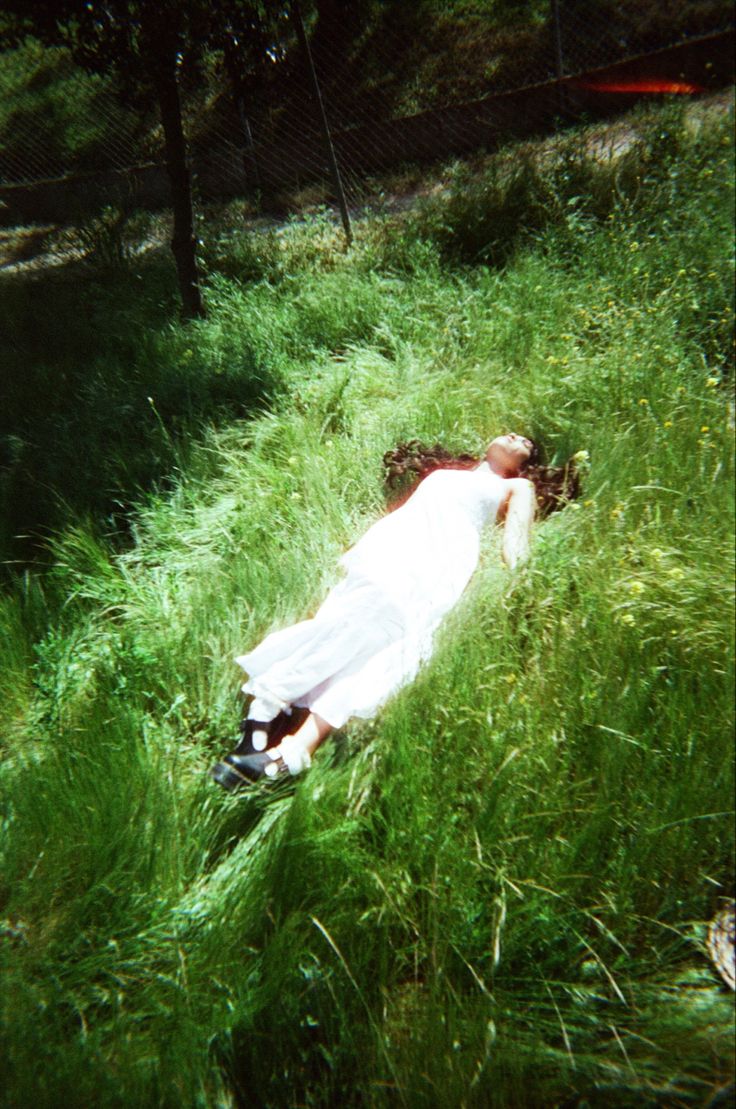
152,47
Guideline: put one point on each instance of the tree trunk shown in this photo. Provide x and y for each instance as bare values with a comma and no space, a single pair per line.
183,243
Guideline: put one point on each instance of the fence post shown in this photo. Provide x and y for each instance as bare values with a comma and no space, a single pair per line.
334,169
559,66
249,144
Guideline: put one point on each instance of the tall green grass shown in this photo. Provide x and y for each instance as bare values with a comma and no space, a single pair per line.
495,892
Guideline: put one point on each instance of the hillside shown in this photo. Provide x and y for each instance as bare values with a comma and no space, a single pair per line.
376,60
497,891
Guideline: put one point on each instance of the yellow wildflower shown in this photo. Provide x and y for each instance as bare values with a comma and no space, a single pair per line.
628,619
643,402
667,423
712,382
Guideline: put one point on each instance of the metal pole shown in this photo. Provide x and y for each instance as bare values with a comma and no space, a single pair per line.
250,146
559,70
334,169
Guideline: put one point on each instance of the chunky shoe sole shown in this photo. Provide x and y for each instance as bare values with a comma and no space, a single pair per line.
240,770
227,777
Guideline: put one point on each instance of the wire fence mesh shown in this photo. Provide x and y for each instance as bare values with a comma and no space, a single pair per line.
401,88
431,112
448,96
56,119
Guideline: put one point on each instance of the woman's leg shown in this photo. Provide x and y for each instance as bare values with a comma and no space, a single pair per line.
297,750
297,666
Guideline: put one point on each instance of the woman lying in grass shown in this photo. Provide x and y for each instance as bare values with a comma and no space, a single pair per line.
376,626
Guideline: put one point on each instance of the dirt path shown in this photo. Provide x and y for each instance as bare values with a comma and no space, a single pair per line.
34,249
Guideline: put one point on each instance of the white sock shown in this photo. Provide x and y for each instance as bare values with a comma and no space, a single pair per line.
295,755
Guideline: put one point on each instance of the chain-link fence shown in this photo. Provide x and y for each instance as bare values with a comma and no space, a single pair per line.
399,88
56,119
459,91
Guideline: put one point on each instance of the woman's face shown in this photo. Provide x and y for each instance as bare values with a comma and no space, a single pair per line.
508,454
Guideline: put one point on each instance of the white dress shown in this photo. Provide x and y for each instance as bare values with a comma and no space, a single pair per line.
376,626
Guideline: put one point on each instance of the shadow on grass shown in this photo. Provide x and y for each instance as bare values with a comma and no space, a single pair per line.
102,386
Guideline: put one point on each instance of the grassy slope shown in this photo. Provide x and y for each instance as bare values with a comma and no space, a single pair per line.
497,888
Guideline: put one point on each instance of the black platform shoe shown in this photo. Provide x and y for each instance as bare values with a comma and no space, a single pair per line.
246,729
244,764
282,725
239,770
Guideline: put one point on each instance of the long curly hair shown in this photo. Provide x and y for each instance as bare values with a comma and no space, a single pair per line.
409,463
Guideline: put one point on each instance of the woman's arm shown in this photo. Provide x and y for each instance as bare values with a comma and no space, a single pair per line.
517,529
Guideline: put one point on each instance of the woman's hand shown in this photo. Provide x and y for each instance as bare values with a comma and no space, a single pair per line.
519,516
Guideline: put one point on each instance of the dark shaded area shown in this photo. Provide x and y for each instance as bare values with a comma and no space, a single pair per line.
460,128
402,85
99,394
24,244
381,58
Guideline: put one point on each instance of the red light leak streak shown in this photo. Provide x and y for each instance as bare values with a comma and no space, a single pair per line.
644,85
